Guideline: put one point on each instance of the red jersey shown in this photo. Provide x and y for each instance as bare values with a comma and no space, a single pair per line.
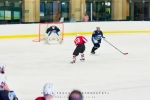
40,98
80,40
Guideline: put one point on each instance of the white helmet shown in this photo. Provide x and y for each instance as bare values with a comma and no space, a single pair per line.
52,24
48,89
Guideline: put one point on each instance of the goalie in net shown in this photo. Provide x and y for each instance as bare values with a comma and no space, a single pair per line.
52,33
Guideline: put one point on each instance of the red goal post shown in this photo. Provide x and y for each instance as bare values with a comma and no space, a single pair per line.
43,27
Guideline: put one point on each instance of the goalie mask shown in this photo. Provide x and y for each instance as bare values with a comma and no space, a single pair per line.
53,26
48,89
2,69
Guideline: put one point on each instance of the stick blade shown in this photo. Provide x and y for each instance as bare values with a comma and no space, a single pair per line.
125,53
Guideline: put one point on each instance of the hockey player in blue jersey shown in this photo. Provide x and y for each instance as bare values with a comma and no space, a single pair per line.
51,29
52,33
96,39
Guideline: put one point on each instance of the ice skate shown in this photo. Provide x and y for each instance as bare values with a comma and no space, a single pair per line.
46,42
60,41
92,52
82,59
72,61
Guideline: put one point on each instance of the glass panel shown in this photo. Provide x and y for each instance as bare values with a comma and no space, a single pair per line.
139,10
42,8
46,11
1,4
49,12
146,10
17,11
107,11
7,15
65,10
101,10
52,11
42,12
97,10
7,3
88,9
2,13
100,6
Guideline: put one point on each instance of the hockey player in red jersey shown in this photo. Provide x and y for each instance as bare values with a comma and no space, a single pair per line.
80,47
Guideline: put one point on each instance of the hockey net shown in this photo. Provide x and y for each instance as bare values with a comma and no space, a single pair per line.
43,27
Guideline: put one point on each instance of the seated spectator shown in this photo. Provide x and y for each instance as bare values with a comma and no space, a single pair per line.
75,95
85,18
62,19
72,19
94,17
48,92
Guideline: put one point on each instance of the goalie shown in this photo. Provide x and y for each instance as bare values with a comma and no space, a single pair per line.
52,33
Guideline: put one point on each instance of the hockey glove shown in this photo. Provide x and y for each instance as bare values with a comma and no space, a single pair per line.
103,37
12,95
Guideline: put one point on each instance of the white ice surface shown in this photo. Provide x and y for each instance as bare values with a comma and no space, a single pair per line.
123,77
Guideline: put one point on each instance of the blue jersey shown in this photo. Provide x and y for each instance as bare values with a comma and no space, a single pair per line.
97,36
50,29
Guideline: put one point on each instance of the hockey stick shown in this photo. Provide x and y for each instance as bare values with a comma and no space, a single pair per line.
115,47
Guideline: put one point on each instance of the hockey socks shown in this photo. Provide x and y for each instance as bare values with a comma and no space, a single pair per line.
74,59
82,57
93,50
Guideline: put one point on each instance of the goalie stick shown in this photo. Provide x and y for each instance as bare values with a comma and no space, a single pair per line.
115,47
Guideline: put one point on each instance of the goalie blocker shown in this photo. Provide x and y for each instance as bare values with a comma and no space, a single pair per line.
52,33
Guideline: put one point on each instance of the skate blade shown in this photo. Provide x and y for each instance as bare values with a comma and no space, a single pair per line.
82,60
92,53
72,62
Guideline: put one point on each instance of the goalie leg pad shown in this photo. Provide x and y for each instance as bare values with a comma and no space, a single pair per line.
54,36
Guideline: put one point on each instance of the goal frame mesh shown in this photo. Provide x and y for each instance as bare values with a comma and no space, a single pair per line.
39,37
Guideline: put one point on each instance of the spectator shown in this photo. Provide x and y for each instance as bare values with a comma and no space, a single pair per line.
72,19
85,17
48,92
62,18
94,18
75,95
107,16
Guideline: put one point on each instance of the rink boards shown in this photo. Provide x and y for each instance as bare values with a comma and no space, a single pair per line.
70,29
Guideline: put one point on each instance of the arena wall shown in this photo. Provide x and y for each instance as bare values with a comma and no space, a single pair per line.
84,28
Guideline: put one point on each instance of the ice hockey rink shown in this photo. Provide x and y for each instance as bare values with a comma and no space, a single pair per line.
113,75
